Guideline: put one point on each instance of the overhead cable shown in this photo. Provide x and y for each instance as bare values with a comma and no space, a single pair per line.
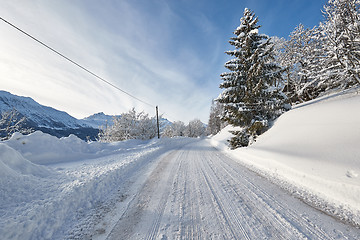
75,63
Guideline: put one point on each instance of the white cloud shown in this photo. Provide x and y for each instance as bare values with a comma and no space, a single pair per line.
129,46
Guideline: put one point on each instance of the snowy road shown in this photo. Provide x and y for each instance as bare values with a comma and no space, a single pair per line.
199,193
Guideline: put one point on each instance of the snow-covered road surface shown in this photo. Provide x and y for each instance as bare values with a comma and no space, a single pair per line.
196,192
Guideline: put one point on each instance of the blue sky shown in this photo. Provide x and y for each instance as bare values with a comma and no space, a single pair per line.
166,52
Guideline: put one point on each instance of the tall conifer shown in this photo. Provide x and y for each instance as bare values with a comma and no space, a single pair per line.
251,95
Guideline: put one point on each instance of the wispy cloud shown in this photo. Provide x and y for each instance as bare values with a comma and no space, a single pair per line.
138,47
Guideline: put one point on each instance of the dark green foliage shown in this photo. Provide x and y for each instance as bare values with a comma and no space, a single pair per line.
240,139
258,128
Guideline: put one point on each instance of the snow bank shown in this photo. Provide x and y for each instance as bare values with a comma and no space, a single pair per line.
21,182
315,147
41,148
44,202
13,164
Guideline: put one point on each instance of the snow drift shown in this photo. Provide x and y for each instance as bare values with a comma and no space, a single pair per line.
315,147
12,163
46,149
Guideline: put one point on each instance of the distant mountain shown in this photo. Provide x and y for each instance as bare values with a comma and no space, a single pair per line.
46,119
55,122
98,120
164,123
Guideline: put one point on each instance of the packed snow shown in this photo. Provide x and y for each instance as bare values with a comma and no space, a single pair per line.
314,151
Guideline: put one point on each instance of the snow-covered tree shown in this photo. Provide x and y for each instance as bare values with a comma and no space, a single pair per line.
175,129
341,29
251,97
130,125
215,123
146,127
179,128
301,56
195,128
168,131
11,122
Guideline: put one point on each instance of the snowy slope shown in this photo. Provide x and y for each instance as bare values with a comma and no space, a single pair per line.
314,147
41,115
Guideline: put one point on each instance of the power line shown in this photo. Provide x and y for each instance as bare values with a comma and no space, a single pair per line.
75,63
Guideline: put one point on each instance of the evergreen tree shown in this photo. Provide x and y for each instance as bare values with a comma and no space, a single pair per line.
251,97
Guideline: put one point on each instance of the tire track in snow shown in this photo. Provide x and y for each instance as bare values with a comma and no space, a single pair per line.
125,227
253,211
276,212
178,195
195,208
198,193
184,205
212,221
153,231
274,208
192,201
226,207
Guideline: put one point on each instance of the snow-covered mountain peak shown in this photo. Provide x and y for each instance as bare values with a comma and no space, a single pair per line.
42,116
98,120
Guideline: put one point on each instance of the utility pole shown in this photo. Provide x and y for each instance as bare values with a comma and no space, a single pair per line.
157,121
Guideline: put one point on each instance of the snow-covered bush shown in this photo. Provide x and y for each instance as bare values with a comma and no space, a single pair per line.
195,128
175,129
130,125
